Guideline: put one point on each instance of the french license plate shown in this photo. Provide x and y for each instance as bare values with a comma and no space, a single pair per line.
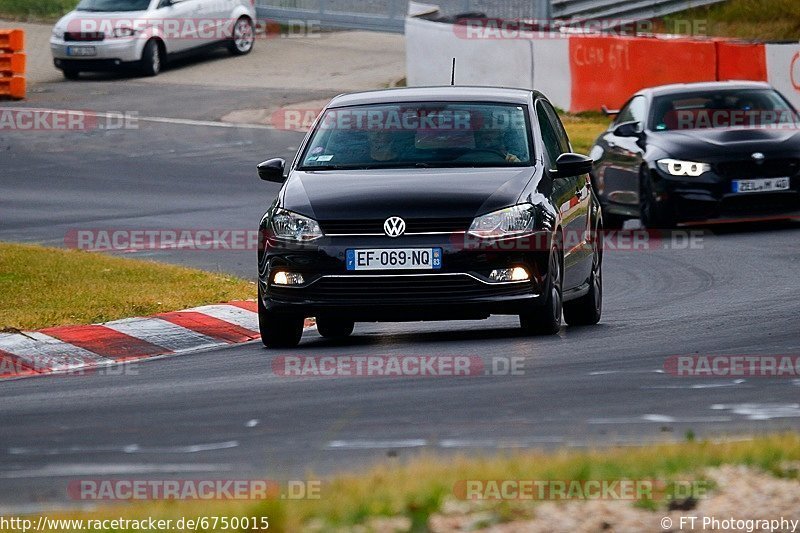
82,51
395,259
760,185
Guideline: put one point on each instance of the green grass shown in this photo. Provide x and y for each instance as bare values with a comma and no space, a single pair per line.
746,19
42,287
35,9
417,489
583,129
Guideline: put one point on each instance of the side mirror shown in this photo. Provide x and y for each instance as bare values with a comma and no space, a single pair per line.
570,164
272,170
628,129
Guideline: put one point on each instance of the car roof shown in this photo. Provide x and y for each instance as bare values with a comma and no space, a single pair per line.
456,93
678,88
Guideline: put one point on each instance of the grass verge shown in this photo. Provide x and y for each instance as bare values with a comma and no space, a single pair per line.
746,19
418,489
35,9
42,287
584,128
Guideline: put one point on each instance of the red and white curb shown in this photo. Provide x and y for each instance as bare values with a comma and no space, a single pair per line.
74,348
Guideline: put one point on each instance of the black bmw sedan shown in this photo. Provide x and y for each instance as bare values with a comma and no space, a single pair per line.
430,204
700,152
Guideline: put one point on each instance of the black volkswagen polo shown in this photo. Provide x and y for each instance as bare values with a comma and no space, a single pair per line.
430,204
700,152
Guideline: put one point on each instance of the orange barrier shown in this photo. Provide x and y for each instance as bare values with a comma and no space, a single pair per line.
741,61
12,64
12,40
13,87
607,70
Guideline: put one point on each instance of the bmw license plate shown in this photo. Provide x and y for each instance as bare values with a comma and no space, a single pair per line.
395,259
760,185
81,51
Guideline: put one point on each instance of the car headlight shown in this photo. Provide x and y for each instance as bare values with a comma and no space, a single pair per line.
677,167
293,227
58,33
508,222
124,32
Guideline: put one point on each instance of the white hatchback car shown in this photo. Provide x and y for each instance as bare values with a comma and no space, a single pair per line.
105,34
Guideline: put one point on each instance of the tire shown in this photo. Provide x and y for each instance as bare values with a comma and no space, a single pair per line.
334,328
278,331
651,214
152,59
586,310
243,37
546,319
71,73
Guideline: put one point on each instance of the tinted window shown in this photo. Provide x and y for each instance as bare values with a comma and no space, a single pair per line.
429,134
721,109
634,111
113,5
553,145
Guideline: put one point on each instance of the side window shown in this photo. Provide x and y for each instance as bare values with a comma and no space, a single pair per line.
634,111
553,135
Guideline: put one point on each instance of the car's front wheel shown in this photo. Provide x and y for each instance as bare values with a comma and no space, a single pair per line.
651,213
151,62
278,330
586,310
243,38
334,328
546,320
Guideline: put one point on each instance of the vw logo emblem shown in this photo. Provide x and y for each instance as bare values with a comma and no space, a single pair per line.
758,157
394,226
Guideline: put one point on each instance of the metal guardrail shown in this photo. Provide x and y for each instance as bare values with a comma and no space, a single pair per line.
389,15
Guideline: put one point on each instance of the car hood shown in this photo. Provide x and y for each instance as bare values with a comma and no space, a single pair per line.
724,143
77,21
411,193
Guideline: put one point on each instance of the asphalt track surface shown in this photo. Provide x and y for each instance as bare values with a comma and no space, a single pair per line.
224,413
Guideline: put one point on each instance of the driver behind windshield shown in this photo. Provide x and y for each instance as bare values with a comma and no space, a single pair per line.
492,138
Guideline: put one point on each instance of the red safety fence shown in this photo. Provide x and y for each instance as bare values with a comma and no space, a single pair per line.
12,64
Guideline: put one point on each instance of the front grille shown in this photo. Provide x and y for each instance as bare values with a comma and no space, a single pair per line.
429,225
84,36
771,168
397,289
761,204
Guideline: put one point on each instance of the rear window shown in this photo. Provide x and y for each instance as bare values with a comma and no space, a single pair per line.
420,135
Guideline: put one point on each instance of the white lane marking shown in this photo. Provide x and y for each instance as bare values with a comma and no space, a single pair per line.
129,448
160,120
78,469
697,385
42,351
251,423
230,313
375,444
663,419
523,442
761,411
162,333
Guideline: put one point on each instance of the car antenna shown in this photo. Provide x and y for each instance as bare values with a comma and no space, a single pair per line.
453,73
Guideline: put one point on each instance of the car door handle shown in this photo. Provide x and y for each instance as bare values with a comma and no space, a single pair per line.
612,144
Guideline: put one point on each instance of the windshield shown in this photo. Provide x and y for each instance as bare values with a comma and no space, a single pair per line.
420,135
722,109
113,5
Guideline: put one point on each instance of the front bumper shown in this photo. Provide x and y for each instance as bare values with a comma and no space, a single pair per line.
710,197
460,290
109,53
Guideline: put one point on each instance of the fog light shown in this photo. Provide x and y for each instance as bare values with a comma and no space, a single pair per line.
287,278
510,274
